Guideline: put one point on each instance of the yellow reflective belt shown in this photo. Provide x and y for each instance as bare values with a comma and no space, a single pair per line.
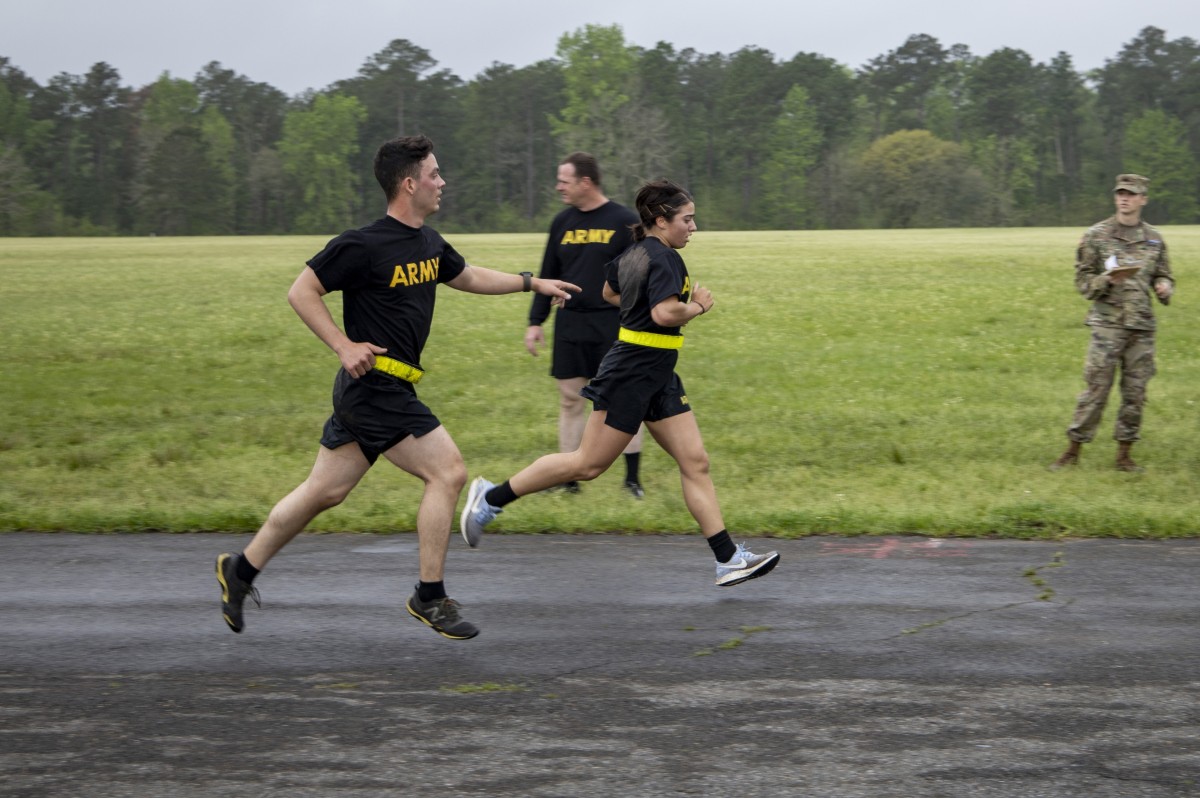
656,340
398,368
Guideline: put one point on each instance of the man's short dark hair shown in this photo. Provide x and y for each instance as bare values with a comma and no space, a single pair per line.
585,166
398,159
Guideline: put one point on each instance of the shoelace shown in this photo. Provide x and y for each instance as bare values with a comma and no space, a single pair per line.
252,592
447,608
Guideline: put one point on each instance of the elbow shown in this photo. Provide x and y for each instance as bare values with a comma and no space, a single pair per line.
305,286
298,296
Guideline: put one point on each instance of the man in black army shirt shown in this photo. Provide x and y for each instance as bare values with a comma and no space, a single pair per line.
388,273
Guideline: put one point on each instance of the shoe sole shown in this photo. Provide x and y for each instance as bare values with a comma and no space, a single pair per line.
442,632
762,570
225,593
472,498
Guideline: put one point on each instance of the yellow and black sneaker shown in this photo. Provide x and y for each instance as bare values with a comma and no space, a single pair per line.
442,616
233,591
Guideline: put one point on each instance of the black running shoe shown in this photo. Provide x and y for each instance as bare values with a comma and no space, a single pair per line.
441,615
233,591
634,489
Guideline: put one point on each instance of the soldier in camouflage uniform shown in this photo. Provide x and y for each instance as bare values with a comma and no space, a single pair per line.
1121,265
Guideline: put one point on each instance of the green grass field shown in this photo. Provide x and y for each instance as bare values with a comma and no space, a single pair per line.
847,382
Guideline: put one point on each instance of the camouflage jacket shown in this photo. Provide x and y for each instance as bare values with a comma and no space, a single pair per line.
1129,304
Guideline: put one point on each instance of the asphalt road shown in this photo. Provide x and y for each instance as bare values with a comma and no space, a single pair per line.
607,666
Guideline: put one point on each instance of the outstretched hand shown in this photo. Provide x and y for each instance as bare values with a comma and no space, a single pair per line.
557,290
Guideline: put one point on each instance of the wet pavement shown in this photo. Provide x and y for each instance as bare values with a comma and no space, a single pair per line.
607,665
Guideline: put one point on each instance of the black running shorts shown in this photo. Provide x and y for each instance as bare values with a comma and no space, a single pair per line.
376,411
636,384
581,340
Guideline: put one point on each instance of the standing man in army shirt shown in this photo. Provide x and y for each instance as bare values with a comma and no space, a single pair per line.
591,231
1121,266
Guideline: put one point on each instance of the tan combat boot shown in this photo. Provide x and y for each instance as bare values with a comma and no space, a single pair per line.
1124,461
1068,458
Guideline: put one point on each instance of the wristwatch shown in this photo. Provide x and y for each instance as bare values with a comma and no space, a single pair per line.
528,277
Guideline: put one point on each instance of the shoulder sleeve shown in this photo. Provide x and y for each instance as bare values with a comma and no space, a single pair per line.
539,308
612,274
623,222
623,237
1090,280
551,268
343,263
667,276
450,264
1162,264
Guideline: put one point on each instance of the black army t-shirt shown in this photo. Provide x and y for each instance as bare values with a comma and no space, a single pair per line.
580,244
645,275
388,274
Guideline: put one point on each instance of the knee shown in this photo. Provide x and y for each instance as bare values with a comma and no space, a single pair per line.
1099,377
696,464
330,497
589,471
1134,393
1139,375
450,474
455,475
571,403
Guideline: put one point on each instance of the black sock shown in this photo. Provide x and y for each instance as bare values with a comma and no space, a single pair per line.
631,467
722,546
244,570
500,495
430,591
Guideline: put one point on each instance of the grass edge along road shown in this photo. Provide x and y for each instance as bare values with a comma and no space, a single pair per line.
848,382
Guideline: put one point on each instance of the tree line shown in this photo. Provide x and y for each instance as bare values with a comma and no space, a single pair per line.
921,136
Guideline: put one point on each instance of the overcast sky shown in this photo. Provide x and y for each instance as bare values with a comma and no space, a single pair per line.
294,45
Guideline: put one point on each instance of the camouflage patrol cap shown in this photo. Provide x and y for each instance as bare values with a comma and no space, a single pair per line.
1135,183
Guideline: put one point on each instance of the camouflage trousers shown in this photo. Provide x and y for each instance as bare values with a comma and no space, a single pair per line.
1110,347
